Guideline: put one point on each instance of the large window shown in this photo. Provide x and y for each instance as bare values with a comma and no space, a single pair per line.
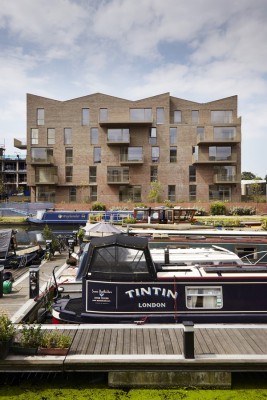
200,132
132,193
51,136
173,135
97,154
141,114
41,155
34,136
155,154
92,174
94,135
173,154
225,117
119,135
220,153
69,174
204,297
177,116
153,173
85,116
40,116
225,173
67,135
220,192
152,136
68,155
160,115
171,193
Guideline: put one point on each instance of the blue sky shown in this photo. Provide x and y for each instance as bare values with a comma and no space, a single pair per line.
199,50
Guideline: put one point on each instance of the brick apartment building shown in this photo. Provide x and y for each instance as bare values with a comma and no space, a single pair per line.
13,174
103,148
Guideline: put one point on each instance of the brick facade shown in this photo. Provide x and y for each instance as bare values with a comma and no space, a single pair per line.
126,138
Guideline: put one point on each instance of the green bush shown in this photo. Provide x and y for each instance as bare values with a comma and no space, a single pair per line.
98,206
129,220
217,208
242,211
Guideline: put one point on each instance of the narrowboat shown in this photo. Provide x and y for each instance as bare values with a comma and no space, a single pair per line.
123,283
75,218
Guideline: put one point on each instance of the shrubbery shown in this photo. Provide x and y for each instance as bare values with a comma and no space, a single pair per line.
242,211
217,208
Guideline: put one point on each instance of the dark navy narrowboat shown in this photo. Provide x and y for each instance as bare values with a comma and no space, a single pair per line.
122,282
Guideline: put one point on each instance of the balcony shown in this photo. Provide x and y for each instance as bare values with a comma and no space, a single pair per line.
117,175
212,138
132,155
125,122
20,144
47,159
204,158
44,177
118,136
223,178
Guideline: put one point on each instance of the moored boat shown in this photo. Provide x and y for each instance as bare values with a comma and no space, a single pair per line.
123,282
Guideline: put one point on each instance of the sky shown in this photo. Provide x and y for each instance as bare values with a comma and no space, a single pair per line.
198,50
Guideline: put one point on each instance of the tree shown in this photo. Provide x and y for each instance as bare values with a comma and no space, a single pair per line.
247,176
155,191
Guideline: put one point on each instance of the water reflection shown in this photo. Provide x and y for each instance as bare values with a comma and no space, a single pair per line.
27,235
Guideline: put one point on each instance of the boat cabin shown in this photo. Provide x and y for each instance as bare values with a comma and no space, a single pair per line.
164,215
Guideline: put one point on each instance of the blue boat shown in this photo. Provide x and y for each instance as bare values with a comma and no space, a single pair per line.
77,218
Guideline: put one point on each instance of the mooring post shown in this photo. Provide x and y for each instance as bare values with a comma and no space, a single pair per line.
1,280
188,339
34,281
71,246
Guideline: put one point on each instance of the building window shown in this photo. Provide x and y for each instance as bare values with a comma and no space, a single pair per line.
42,155
204,297
195,116
93,193
67,135
103,114
141,114
40,116
226,133
34,136
132,193
68,155
85,116
152,136
220,153
72,194
173,135
220,192
94,135
192,173
69,174
192,192
173,154
171,193
118,135
160,115
153,173
177,116
97,154
225,173
92,174
155,154
225,117
200,133
51,136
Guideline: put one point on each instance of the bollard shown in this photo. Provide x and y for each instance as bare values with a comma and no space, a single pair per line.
71,246
1,280
188,339
34,281
75,237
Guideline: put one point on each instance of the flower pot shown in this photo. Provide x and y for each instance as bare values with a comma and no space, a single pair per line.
4,349
16,348
52,351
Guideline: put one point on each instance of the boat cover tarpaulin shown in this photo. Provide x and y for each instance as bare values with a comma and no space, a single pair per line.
5,238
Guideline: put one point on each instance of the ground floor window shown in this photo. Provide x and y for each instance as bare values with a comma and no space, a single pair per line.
204,297
72,194
132,193
171,193
220,192
45,193
192,192
93,193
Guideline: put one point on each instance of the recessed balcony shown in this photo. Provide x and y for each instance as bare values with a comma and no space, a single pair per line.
223,178
117,175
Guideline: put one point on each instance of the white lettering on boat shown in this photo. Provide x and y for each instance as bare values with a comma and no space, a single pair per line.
151,305
151,291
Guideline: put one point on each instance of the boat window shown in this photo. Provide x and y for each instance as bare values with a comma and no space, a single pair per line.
204,297
247,252
119,260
